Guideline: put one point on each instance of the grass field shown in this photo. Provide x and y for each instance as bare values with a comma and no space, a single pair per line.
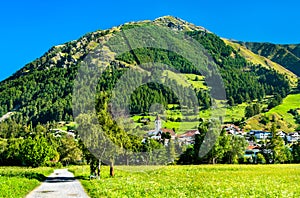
284,120
231,113
290,102
18,182
199,84
195,181
180,127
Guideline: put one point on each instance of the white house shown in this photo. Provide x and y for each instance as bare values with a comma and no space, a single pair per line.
261,134
282,134
233,130
293,137
188,137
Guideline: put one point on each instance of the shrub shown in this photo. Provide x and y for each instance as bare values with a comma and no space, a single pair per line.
54,164
261,159
264,120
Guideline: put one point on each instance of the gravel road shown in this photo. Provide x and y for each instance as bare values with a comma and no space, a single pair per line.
59,184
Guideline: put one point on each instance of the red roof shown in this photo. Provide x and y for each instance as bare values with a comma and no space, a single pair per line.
232,126
172,133
252,147
189,133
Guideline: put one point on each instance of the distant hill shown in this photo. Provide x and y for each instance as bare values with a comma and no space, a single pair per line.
261,60
41,91
285,55
281,116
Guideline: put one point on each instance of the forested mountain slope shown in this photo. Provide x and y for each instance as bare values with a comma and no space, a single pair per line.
261,60
42,90
285,55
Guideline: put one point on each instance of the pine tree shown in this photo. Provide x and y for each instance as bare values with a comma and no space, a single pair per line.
249,112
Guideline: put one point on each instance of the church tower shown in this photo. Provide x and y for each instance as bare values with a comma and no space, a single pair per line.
157,123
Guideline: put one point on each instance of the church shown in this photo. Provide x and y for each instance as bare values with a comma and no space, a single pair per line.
157,133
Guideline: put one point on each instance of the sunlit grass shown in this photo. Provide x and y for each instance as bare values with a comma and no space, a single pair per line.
18,182
257,59
283,119
195,181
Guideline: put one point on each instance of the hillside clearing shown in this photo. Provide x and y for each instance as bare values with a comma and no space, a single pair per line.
284,120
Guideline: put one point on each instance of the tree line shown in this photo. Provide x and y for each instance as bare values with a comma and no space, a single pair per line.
26,145
37,146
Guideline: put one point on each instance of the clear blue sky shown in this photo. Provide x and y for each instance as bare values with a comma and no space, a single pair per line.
29,28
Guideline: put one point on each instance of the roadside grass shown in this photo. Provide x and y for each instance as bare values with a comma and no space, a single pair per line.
194,181
19,181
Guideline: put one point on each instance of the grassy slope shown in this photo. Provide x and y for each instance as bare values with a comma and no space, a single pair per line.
237,112
18,182
285,55
196,84
195,181
232,113
187,80
257,59
180,127
283,119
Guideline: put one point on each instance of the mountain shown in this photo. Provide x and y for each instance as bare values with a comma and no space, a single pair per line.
42,90
261,60
285,55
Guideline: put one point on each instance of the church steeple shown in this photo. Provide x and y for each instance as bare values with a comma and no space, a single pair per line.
157,123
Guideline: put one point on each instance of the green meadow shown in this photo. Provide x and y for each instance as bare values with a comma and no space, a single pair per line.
194,181
18,181
231,113
283,120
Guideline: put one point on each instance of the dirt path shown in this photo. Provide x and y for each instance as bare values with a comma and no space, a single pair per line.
60,184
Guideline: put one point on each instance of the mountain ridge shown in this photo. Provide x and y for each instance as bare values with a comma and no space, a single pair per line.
287,55
43,88
258,59
166,21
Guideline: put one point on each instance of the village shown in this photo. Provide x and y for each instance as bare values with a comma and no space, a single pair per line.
256,139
